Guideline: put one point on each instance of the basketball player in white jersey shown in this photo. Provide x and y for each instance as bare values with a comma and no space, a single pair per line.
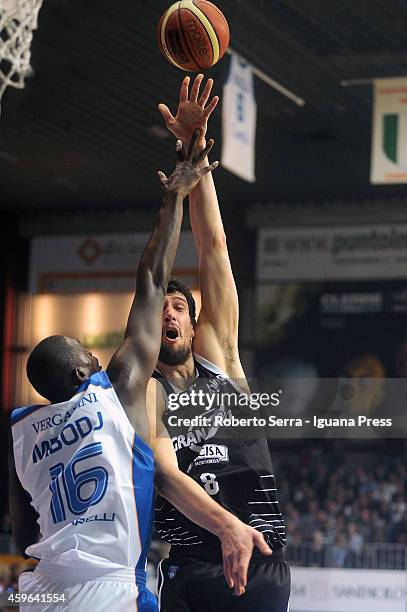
203,355
82,467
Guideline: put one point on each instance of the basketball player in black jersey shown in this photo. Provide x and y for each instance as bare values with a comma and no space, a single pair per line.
203,356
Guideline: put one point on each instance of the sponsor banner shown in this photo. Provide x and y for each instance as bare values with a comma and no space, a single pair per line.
239,113
389,131
332,253
102,262
347,590
351,302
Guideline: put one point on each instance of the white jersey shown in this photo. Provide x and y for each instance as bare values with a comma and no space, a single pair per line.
90,478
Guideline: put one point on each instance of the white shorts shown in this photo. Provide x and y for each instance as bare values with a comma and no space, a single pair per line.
123,591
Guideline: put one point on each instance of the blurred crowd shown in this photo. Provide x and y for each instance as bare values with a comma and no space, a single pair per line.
343,500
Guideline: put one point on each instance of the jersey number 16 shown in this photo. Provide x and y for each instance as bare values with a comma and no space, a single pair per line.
70,481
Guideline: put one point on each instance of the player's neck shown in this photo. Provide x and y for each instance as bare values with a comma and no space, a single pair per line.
181,375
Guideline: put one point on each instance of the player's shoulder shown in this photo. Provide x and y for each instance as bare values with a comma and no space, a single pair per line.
209,366
234,375
18,414
98,379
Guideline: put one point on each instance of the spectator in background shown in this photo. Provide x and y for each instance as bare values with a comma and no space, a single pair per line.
399,531
317,549
355,539
340,551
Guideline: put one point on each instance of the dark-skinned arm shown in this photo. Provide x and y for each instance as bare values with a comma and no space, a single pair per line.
134,361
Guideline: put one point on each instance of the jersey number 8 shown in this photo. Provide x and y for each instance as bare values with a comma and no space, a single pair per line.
210,483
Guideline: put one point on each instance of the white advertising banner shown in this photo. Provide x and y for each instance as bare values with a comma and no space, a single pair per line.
239,113
347,590
102,262
332,253
389,131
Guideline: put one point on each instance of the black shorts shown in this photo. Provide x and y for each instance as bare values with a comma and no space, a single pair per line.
192,585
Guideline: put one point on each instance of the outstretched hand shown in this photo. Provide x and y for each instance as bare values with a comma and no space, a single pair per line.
192,112
188,172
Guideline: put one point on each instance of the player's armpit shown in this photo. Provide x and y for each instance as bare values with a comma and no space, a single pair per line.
219,349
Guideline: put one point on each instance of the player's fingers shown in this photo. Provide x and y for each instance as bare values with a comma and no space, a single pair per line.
209,168
195,88
162,177
183,92
211,106
193,144
227,570
166,113
180,150
205,151
261,544
239,574
206,93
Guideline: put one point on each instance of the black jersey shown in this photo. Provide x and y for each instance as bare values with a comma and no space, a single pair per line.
236,472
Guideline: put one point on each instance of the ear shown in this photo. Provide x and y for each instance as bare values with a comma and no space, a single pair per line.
79,375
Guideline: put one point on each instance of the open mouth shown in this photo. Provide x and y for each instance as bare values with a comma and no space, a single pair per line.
171,334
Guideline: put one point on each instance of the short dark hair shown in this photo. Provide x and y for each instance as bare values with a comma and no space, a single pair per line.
175,286
50,367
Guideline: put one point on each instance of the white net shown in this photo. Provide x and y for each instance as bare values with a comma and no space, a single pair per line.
18,20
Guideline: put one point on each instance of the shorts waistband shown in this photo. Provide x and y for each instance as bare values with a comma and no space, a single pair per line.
125,575
215,557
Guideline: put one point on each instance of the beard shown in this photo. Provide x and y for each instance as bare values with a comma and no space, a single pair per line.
172,356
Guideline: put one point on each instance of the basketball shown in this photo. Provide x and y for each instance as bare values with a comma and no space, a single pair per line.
193,34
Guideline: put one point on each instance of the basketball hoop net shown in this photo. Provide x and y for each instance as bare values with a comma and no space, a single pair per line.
18,20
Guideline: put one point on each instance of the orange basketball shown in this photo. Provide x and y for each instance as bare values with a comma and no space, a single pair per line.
193,34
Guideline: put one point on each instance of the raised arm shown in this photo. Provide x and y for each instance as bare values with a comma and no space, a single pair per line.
237,539
216,335
134,361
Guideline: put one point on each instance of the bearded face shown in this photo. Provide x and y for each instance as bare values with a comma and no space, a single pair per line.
177,330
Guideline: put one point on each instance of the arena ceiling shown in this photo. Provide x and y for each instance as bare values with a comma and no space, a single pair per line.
85,132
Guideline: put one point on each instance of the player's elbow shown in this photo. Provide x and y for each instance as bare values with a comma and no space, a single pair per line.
151,284
212,243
